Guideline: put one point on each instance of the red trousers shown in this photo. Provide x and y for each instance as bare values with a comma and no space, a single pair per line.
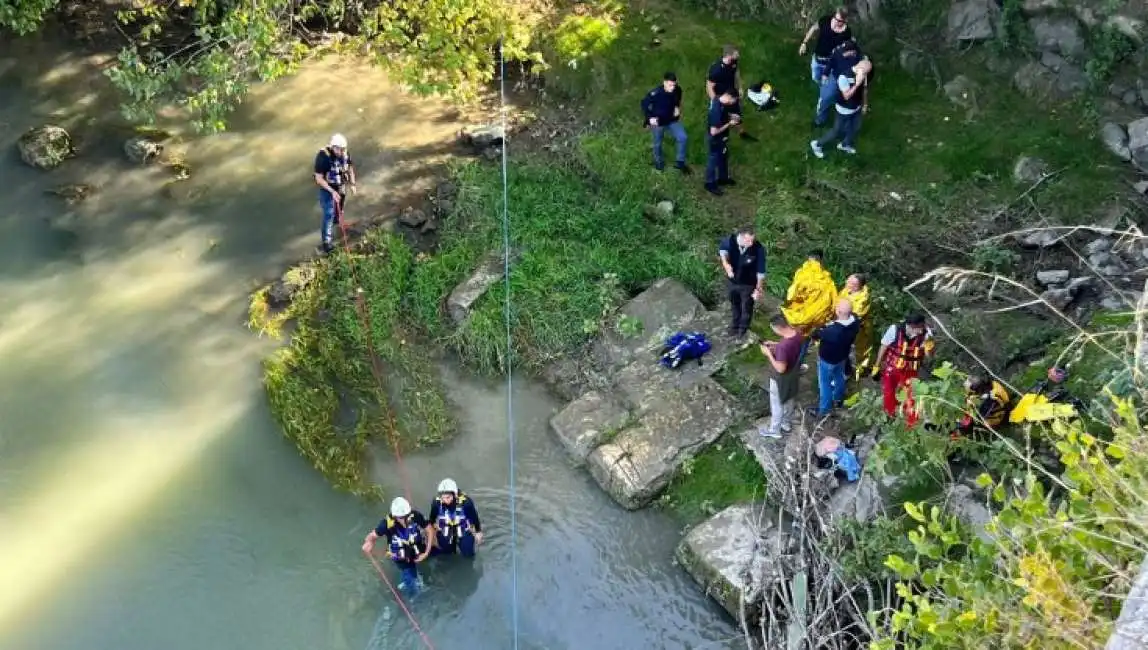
891,382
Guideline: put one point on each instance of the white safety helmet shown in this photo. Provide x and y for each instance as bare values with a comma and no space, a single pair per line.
400,507
448,485
339,140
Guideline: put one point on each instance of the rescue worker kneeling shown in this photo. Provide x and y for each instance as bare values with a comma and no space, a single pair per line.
408,537
986,402
454,519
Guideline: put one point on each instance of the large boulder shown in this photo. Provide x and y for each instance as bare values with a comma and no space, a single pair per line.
963,503
735,556
973,20
1131,632
1060,34
1052,78
860,501
1138,142
1115,139
663,308
587,422
467,293
45,147
640,461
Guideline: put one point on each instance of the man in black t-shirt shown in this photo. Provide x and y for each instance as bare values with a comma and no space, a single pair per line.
334,174
831,31
742,260
724,77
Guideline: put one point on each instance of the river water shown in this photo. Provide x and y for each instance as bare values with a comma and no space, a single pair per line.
147,500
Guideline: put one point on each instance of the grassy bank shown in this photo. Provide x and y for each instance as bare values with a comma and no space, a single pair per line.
321,385
931,179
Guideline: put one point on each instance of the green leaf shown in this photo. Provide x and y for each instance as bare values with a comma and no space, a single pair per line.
915,512
904,569
984,481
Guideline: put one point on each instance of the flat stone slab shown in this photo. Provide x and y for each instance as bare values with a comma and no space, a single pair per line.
587,421
463,297
734,556
640,461
659,311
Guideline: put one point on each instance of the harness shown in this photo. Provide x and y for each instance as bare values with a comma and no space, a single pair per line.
908,353
405,540
340,166
452,522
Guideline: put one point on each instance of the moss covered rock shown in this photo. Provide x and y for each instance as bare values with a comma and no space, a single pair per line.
45,147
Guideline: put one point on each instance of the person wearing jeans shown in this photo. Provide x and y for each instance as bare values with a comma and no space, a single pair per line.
784,375
850,98
662,108
831,31
835,340
334,174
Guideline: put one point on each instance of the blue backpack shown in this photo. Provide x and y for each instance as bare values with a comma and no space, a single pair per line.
684,346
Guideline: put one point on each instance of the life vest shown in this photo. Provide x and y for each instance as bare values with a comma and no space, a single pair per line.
684,346
452,522
407,541
340,168
907,353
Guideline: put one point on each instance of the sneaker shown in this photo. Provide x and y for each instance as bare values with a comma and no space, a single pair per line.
785,428
728,182
805,367
816,148
847,149
712,188
766,432
659,166
683,168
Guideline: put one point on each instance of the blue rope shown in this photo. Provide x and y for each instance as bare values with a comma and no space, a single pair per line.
509,350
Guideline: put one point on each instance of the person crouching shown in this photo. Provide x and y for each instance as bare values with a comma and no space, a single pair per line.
986,404
454,518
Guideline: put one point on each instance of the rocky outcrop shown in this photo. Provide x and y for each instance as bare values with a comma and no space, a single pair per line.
587,422
464,296
973,20
640,461
963,503
1052,78
45,147
633,421
1058,33
735,556
1115,139
1138,142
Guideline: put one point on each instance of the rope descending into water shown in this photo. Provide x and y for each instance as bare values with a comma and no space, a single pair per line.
509,350
392,430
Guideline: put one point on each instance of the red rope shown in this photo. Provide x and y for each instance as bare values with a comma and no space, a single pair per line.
392,429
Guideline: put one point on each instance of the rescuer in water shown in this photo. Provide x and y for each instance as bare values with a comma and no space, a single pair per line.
454,519
409,540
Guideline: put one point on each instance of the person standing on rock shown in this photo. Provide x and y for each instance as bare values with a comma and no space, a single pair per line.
409,541
720,120
856,290
831,31
834,342
455,521
904,349
742,259
662,108
785,373
724,77
335,175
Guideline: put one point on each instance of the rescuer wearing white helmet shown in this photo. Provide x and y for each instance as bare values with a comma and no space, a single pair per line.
408,537
455,521
335,176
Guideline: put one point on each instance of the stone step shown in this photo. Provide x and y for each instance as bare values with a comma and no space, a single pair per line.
658,311
736,555
639,462
586,422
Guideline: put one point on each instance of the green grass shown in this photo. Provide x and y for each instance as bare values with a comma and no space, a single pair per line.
321,385
577,217
721,476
